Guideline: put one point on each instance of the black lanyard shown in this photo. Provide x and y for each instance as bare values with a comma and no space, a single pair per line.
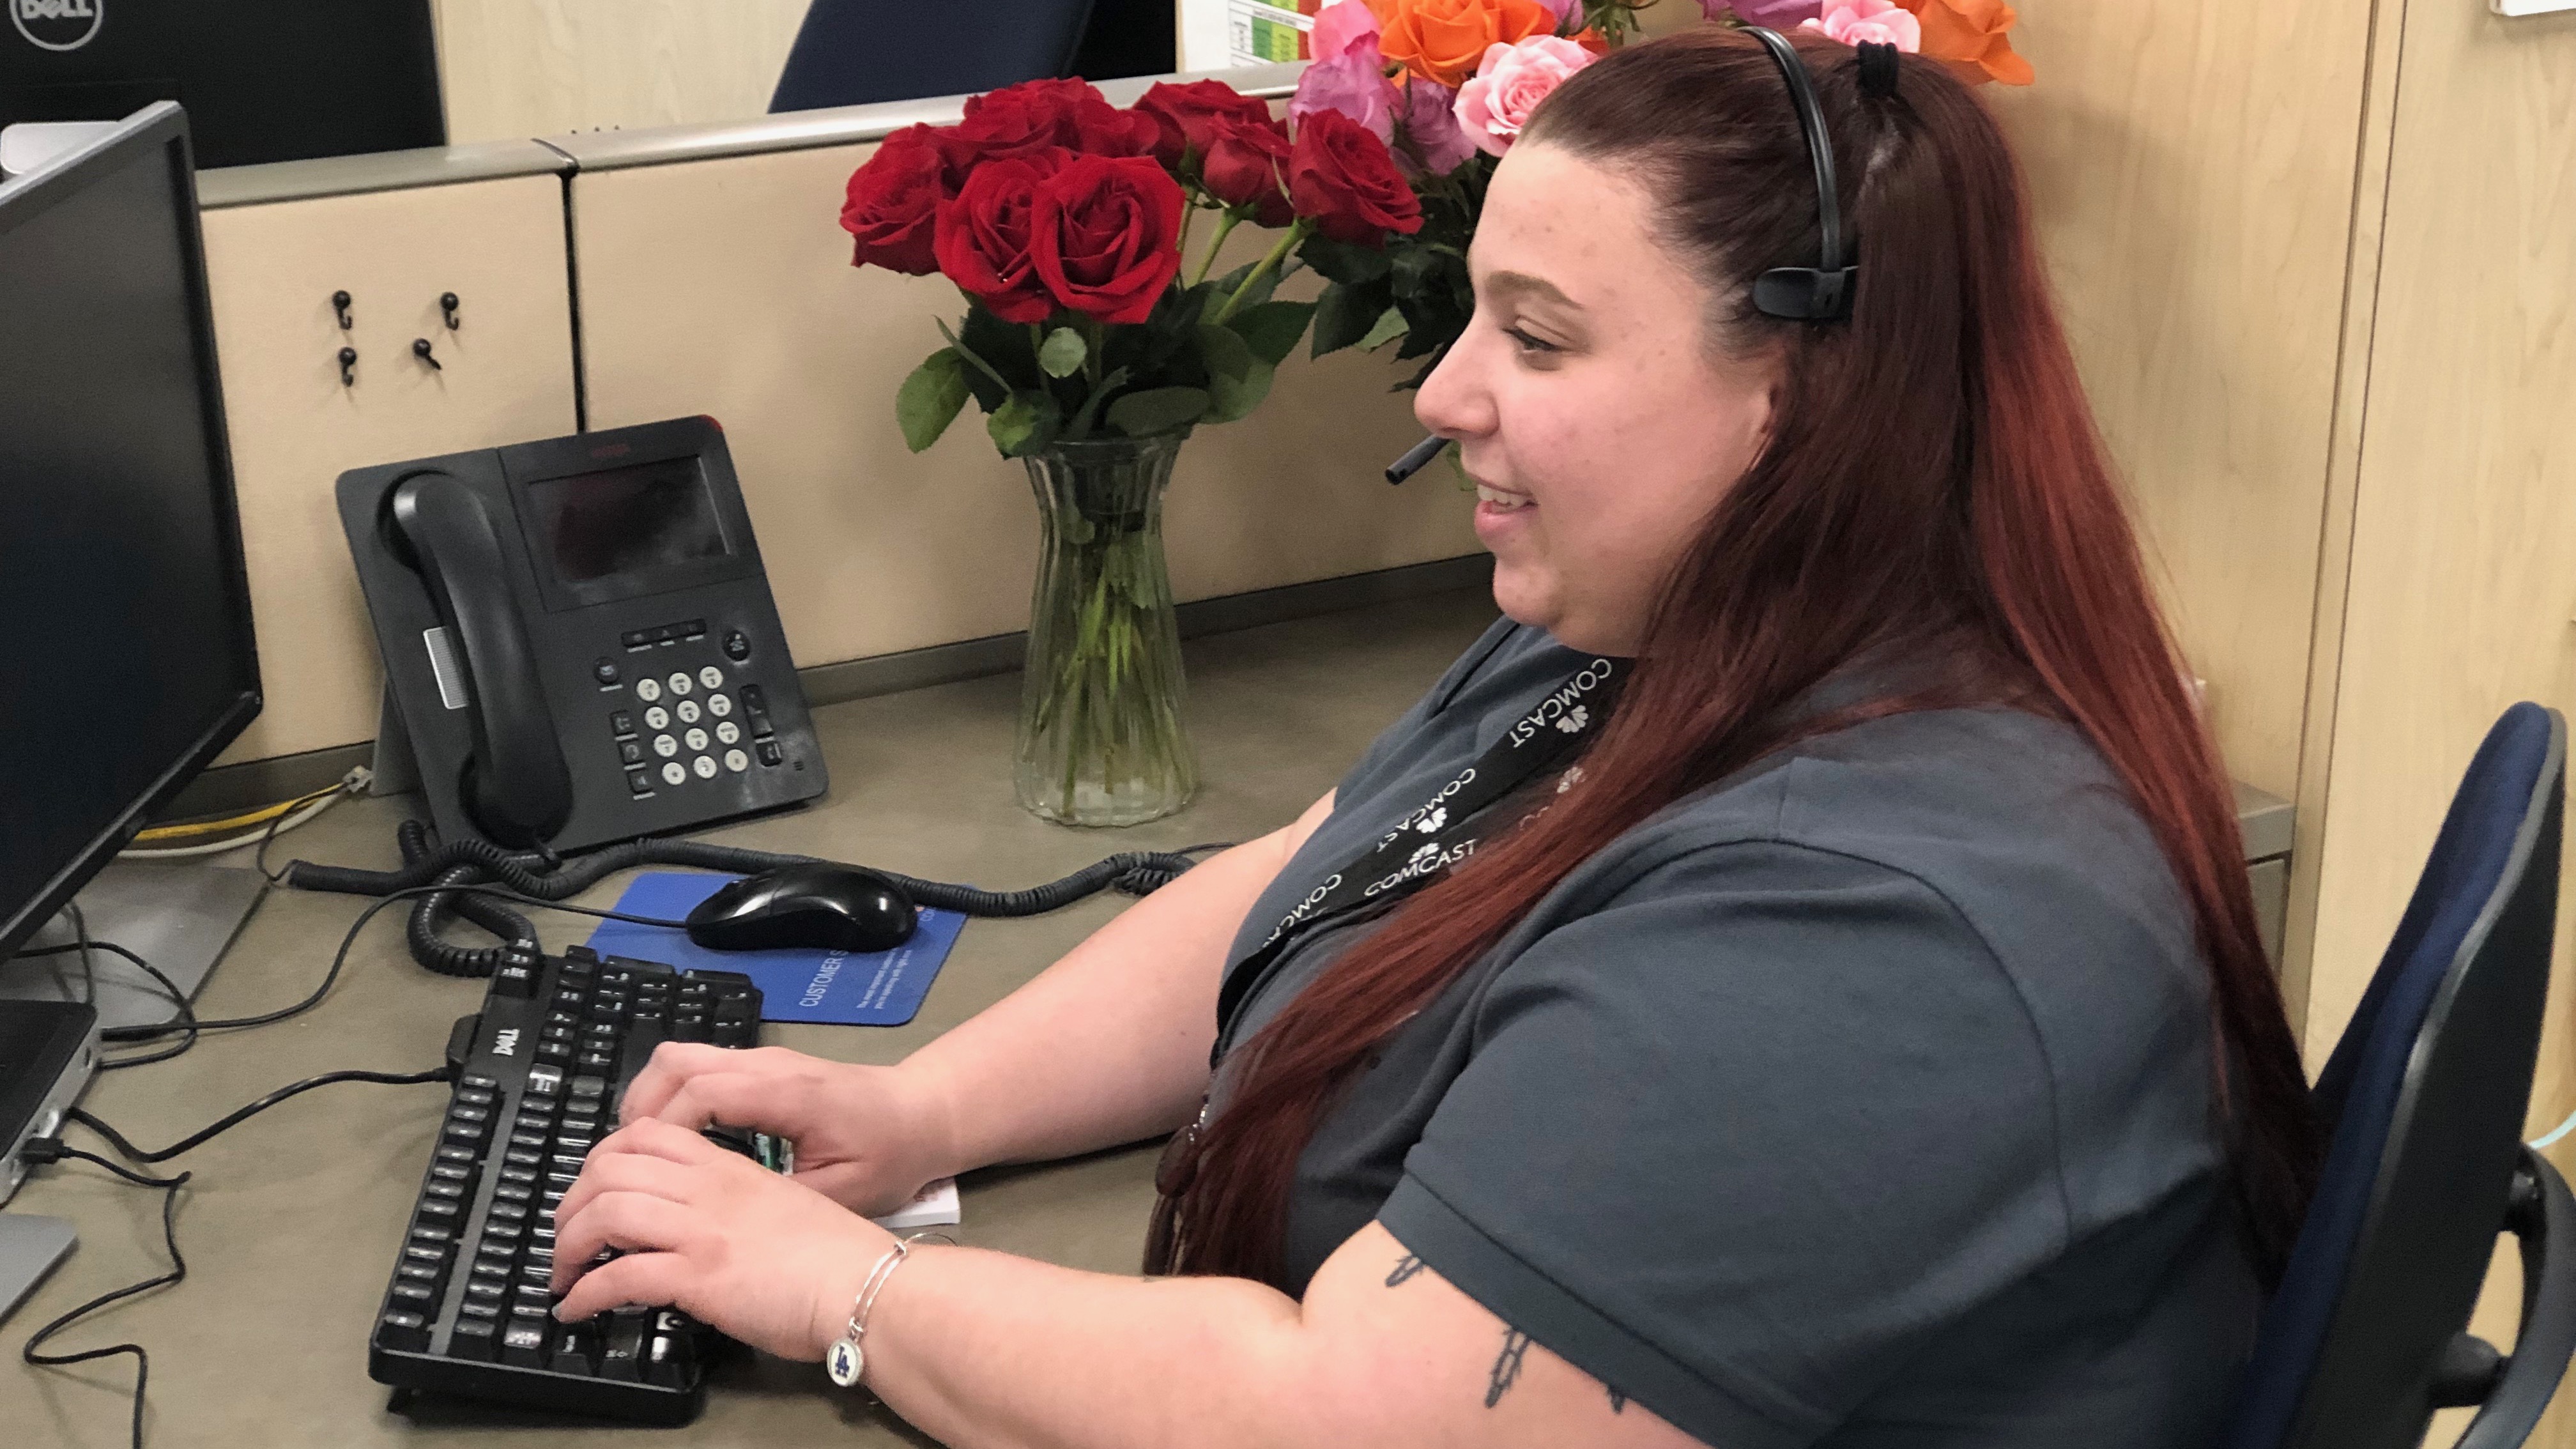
1439,833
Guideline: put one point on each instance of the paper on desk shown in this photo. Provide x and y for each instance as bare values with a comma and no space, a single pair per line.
936,1206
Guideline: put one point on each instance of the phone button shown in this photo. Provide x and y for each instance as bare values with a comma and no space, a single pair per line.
737,645
769,754
622,723
681,684
720,705
729,732
640,781
705,767
711,677
631,751
697,739
648,689
737,761
675,773
657,718
666,747
687,710
605,673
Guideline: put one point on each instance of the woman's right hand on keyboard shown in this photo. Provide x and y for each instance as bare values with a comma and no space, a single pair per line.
863,1138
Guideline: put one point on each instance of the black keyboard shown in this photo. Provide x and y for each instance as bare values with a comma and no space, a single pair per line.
539,1074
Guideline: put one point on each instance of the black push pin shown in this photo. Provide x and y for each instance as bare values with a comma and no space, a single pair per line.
420,349
447,305
348,367
340,304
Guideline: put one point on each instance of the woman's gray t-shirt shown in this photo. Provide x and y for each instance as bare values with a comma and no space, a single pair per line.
1863,1100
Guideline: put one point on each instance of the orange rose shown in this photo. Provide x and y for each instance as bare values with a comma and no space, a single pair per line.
1970,35
1442,41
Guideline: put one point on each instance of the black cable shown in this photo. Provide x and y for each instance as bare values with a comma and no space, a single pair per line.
234,1119
178,1270
185,1021
80,938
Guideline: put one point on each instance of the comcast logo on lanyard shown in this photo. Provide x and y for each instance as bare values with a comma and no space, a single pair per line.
57,24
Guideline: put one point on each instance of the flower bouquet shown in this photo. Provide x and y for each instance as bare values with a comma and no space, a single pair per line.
1448,84
1093,345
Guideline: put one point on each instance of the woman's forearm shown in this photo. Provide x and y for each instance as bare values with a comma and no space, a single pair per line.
1110,1044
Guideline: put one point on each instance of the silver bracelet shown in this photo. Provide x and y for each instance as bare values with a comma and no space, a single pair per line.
845,1361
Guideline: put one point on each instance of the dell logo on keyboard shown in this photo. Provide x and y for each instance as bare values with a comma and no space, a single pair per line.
507,1043
58,24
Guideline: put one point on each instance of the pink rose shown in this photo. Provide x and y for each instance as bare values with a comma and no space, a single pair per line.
1777,14
1431,129
1856,22
1508,85
1341,26
1352,84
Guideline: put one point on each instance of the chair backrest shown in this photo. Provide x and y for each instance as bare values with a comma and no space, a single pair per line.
2423,1101
853,52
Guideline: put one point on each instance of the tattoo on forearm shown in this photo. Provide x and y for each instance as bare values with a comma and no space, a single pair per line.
1507,1365
1405,1267
1618,1401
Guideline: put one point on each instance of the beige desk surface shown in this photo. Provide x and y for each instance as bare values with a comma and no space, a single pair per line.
291,1221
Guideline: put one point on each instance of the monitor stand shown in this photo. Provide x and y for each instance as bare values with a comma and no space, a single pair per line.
178,915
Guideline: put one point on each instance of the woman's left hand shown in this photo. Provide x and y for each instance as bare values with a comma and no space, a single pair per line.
714,1234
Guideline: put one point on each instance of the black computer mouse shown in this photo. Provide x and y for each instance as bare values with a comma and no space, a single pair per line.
816,907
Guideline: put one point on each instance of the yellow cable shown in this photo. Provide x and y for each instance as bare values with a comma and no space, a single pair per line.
260,816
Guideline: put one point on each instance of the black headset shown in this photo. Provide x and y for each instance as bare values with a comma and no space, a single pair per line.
1823,292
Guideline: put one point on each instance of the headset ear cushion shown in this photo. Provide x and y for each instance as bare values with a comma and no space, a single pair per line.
1805,294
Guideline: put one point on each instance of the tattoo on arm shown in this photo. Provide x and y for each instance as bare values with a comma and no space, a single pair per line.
1618,1401
1405,1267
1507,1365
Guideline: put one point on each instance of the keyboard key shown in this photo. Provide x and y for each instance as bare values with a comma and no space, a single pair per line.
462,1156
472,1338
514,1192
438,1209
621,1354
403,1329
420,1273
576,1350
524,1344
474,1096
424,1253
476,1080
418,1297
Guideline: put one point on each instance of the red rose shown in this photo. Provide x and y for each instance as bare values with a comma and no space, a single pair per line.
1035,115
1247,165
1184,115
1340,176
983,237
1106,235
893,203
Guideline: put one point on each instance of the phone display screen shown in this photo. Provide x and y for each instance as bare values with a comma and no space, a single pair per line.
628,521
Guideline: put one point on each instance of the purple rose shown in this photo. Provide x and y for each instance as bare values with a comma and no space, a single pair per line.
1772,14
1351,84
1431,126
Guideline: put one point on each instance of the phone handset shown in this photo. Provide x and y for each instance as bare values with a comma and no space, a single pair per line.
516,785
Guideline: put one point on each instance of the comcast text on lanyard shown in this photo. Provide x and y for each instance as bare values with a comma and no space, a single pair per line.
1440,832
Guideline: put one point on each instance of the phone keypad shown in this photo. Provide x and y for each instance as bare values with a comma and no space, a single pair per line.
678,706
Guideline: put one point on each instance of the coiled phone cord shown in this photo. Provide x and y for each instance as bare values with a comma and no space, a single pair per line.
426,862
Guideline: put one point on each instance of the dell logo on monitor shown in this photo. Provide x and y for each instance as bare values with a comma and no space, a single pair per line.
57,24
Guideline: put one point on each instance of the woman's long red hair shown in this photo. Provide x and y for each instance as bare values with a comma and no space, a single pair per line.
1934,483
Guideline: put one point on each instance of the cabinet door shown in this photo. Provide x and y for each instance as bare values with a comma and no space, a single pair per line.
504,375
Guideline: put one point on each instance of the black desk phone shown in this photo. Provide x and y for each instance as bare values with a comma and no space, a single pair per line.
579,639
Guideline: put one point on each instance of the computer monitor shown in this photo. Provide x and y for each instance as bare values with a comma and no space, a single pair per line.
263,80
128,663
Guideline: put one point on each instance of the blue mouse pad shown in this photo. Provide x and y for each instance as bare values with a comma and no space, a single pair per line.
847,988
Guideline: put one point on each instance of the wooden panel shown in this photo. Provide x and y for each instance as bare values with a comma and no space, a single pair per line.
2191,169
507,377
513,69
725,287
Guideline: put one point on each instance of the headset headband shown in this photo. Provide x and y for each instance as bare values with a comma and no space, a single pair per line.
1821,293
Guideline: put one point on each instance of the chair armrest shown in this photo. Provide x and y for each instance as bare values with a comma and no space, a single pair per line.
2542,1216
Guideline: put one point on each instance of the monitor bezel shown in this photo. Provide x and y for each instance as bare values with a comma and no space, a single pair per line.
162,127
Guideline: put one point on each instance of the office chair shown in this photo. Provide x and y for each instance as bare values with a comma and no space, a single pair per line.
852,52
2423,1101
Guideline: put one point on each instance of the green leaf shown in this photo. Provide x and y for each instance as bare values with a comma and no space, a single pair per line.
1347,312
1158,410
1237,380
930,398
1345,262
1062,353
1272,328
1390,325
1025,423
1224,286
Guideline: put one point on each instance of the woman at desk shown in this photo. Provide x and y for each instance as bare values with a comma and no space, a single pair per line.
1792,982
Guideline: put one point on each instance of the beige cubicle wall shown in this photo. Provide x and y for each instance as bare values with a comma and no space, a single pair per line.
511,69
505,374
724,286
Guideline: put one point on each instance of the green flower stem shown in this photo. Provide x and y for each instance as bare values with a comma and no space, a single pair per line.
1215,245
1287,242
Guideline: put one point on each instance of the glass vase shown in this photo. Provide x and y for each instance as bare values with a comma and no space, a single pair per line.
1101,740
